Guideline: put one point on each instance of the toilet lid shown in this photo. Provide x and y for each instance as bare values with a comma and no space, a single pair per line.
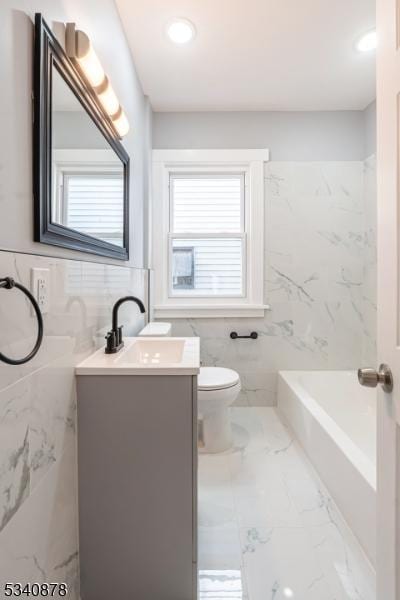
216,378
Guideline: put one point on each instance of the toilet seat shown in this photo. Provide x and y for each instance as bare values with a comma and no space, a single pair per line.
216,378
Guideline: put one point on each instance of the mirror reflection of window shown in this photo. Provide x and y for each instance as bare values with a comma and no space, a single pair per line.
87,175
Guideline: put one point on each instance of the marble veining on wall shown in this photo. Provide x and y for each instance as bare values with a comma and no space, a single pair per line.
320,279
38,503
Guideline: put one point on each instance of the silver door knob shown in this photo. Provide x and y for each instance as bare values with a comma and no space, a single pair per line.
371,377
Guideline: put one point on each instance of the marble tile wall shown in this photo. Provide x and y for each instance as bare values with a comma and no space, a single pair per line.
320,279
38,504
370,267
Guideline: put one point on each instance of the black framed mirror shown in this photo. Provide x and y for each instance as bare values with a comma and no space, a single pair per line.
80,168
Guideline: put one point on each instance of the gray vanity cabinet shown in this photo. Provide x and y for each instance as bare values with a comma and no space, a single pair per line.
137,449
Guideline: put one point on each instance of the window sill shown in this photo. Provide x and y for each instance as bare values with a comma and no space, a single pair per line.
209,311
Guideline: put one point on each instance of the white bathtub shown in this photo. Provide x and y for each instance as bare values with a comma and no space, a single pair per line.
334,419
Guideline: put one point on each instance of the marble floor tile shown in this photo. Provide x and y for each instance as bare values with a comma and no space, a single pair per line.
279,563
268,529
266,508
347,576
215,496
219,547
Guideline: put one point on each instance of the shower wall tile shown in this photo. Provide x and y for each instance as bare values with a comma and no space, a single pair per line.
38,507
40,543
320,279
14,449
370,264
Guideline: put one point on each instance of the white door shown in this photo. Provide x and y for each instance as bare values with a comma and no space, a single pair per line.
388,109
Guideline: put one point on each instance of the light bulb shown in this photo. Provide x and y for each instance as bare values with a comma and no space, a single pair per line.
94,73
367,42
88,61
180,31
109,100
121,124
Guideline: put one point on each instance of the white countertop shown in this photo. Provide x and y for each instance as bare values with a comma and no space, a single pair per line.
161,356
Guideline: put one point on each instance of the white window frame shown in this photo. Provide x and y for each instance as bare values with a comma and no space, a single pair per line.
191,162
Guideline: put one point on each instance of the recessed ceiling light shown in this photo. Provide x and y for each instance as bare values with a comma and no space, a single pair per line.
367,42
180,31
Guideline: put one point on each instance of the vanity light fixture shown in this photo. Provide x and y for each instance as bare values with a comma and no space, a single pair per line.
79,48
180,31
367,42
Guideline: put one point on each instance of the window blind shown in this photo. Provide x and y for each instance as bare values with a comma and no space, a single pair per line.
207,206
93,204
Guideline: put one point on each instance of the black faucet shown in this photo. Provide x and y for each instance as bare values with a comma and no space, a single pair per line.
114,337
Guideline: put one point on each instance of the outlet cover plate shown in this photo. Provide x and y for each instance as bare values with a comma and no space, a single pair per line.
40,288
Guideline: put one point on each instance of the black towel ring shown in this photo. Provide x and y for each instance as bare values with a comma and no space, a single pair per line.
8,283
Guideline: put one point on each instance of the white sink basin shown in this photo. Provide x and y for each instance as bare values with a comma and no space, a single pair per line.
154,352
146,356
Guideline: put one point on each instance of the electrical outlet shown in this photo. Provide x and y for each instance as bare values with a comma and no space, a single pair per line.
40,288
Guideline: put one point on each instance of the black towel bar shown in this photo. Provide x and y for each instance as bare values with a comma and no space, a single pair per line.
235,336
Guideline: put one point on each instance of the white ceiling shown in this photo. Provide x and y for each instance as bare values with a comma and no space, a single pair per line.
253,54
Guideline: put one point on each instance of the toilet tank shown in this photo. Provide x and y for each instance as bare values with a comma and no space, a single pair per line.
156,329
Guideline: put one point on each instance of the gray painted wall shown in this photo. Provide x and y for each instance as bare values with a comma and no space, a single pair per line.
298,136
66,126
100,19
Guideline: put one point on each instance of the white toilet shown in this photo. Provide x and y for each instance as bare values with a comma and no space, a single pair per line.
218,389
